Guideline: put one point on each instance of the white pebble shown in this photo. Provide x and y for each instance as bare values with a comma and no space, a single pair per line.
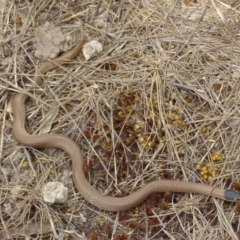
90,48
54,192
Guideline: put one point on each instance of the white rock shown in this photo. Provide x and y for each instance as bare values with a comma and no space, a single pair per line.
54,192
90,48
50,41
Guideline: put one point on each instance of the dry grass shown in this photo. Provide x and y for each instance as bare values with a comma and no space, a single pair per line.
171,103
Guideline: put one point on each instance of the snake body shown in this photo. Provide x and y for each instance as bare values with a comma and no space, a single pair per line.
69,146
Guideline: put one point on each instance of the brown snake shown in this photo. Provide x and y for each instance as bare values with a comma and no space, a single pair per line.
68,145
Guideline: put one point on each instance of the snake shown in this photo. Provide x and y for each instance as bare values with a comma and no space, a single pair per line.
86,190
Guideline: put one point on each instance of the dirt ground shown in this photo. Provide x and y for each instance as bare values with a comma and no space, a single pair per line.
160,101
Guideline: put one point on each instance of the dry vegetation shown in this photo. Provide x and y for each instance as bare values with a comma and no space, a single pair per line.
161,101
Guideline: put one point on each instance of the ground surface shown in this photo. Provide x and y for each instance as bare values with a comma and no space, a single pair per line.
160,101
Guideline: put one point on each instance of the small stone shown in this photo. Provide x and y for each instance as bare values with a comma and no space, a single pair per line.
90,48
54,192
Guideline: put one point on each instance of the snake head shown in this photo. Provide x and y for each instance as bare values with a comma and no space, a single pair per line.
232,195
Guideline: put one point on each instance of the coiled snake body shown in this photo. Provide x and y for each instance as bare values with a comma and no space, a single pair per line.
68,145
